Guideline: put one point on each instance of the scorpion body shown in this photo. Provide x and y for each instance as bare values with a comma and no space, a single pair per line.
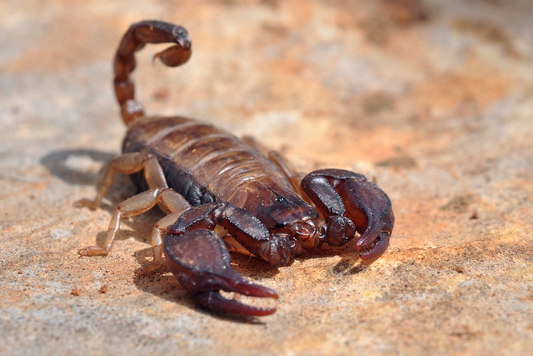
206,164
221,192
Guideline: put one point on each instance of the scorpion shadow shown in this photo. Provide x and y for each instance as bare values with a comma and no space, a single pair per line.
349,264
60,164
57,163
162,283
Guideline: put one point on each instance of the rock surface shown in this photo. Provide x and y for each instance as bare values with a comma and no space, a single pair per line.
433,100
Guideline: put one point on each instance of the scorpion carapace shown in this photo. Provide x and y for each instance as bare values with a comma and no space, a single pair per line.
221,193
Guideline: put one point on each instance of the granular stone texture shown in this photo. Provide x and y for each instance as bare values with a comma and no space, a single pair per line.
431,99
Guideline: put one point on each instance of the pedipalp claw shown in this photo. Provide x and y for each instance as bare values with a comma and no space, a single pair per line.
201,262
371,211
216,302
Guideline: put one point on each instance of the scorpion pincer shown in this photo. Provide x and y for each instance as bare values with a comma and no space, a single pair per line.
221,193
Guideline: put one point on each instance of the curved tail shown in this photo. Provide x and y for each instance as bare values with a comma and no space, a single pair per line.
137,36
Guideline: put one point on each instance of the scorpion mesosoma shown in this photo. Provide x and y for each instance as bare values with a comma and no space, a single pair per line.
221,193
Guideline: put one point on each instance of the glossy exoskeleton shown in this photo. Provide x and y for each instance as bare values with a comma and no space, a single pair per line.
220,193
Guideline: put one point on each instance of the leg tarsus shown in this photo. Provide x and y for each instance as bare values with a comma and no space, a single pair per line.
160,228
157,262
94,251
103,186
87,203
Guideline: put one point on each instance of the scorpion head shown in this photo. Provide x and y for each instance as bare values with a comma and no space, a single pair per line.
292,223
287,240
299,226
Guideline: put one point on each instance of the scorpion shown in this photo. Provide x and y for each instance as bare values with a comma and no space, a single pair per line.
221,193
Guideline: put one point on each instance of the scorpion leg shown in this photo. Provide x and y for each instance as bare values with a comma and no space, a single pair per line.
351,203
200,259
169,201
128,163
137,205
156,240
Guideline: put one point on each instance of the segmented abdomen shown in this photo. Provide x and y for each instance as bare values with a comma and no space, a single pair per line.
201,162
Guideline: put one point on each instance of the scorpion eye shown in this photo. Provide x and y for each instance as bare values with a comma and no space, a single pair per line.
280,199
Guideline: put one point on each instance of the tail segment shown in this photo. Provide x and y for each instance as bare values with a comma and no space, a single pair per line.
137,36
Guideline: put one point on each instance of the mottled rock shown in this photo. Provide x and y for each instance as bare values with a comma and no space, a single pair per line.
432,101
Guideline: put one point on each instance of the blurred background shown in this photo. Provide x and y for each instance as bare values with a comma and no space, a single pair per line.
432,99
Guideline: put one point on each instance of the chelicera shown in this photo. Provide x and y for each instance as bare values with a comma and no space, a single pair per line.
221,193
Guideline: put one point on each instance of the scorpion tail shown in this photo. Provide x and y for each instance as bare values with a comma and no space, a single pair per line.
201,262
137,36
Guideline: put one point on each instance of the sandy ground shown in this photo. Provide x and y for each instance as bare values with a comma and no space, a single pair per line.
432,99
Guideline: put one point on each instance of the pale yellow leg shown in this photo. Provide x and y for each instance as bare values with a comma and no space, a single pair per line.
160,228
170,202
128,163
133,206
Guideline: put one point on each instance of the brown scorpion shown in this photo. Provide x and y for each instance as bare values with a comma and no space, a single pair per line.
221,193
